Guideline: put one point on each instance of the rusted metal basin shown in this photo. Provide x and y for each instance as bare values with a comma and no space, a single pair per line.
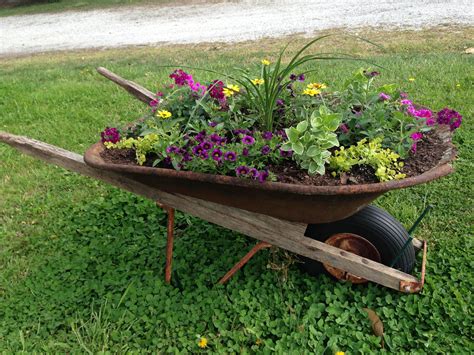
298,203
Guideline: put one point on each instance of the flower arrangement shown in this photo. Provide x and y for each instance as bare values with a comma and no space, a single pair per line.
250,124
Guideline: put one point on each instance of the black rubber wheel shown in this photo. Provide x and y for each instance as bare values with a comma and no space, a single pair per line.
374,224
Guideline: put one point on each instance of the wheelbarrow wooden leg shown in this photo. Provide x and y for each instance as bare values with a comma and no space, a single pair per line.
169,241
259,246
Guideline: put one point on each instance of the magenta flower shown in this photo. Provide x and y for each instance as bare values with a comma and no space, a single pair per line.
267,135
159,94
242,170
384,97
406,102
216,90
301,77
216,154
449,117
416,136
430,121
424,113
403,95
230,156
180,77
248,140
154,103
343,127
111,135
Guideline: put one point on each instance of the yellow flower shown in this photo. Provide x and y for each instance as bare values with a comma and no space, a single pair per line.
311,92
458,85
318,86
230,90
202,343
265,62
411,79
339,353
258,81
258,341
163,114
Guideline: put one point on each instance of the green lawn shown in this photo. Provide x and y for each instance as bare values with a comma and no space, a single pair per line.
81,263
64,5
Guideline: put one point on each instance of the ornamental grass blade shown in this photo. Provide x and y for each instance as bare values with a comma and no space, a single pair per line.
376,323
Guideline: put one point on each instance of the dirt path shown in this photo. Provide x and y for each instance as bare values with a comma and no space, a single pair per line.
226,21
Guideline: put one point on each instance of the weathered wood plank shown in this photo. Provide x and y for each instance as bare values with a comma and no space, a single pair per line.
132,88
284,234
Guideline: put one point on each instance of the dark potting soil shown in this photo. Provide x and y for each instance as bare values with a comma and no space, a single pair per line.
428,153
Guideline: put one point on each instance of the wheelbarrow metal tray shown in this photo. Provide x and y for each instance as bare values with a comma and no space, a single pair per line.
292,202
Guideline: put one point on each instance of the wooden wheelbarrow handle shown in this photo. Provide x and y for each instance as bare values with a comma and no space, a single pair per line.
132,88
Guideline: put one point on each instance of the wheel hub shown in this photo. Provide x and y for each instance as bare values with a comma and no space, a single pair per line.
352,243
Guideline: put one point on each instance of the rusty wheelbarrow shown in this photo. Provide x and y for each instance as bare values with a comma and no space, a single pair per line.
332,227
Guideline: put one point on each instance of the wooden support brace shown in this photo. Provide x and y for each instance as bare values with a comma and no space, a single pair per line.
284,234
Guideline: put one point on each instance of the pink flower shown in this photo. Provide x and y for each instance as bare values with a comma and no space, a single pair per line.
384,97
406,102
154,103
343,127
416,136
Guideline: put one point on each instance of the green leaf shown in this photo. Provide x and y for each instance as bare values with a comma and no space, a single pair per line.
297,148
312,151
293,134
301,127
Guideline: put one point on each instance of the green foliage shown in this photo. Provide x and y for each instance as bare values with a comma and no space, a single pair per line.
81,264
311,139
384,162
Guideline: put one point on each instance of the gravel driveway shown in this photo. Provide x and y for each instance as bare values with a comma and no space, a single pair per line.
226,21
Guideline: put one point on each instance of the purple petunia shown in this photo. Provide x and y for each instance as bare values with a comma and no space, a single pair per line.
293,77
242,170
198,149
301,77
248,140
286,153
262,176
449,117
212,124
280,102
267,135
230,156
200,136
172,149
206,145
216,154
111,135
265,150
253,173
245,152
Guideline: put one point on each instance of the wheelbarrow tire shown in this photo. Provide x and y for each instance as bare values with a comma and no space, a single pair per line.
375,225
